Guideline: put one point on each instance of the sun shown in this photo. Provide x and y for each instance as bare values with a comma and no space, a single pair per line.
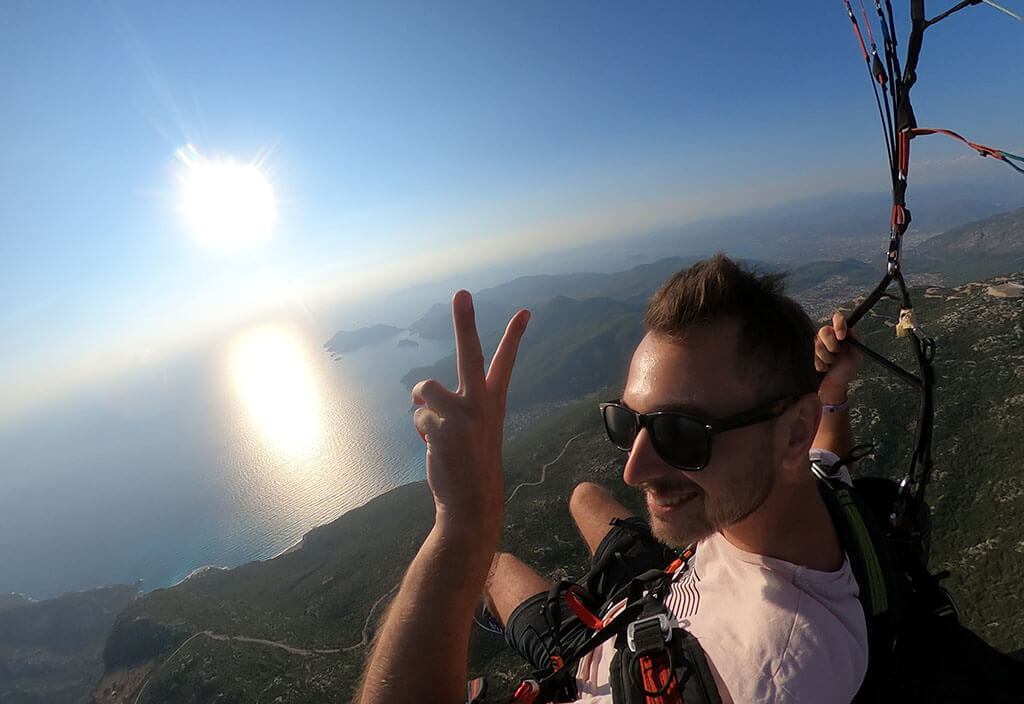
227,205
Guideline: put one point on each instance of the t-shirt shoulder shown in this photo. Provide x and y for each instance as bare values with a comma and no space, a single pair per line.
794,619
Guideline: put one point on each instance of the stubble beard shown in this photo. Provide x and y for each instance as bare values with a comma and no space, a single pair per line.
708,515
675,536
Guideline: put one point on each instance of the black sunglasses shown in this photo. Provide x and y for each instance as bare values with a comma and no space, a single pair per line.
683,441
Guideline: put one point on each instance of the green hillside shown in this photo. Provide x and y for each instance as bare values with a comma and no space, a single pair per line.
977,492
51,650
292,629
975,250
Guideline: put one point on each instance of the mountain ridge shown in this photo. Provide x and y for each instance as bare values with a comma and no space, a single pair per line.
312,600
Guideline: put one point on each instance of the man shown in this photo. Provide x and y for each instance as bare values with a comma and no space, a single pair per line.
770,597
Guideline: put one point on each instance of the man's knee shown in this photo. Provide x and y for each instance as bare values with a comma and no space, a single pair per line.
510,582
586,496
593,507
589,501
504,567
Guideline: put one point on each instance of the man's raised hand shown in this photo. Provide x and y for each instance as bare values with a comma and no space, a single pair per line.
422,644
838,360
463,428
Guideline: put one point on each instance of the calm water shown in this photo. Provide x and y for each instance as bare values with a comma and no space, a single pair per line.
223,457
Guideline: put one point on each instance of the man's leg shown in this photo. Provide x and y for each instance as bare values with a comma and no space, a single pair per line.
621,551
510,583
518,597
593,508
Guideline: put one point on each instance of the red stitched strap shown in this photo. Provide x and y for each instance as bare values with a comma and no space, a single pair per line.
527,692
903,154
656,671
980,148
581,611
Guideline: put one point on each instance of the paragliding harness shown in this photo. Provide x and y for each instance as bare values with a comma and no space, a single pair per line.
656,661
918,651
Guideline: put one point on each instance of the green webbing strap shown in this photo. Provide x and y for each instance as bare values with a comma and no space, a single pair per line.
865,551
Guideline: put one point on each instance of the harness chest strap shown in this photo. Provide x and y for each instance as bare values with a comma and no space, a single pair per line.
660,663
656,662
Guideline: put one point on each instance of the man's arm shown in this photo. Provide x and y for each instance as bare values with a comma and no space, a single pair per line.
421,650
840,363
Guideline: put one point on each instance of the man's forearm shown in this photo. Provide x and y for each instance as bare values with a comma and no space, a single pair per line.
420,653
421,650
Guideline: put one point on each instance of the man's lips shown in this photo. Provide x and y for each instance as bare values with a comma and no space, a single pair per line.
664,502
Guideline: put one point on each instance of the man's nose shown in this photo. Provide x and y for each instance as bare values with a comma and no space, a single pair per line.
644,463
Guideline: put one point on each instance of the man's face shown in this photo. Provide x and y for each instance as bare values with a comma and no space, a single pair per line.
699,378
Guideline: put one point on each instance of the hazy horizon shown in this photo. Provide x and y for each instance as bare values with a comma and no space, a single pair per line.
398,144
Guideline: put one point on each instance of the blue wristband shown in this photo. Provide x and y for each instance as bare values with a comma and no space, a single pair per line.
829,410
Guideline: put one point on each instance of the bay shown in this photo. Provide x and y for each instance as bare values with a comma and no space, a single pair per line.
222,456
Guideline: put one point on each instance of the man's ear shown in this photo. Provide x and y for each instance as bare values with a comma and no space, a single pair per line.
798,428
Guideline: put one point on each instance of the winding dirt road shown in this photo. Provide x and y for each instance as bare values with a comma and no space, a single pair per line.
366,635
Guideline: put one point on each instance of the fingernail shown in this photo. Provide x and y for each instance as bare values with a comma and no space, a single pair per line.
463,301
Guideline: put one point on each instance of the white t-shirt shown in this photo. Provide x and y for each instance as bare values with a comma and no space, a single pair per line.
772,631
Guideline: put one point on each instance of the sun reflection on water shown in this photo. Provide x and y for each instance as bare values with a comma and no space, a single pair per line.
274,379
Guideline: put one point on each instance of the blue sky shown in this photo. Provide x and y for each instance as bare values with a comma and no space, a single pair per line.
406,141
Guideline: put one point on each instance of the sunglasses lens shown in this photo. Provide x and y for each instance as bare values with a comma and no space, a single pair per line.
620,424
682,442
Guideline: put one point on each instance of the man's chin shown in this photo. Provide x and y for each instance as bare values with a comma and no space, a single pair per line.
677,536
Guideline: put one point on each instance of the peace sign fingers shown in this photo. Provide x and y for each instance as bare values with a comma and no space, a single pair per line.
463,428
468,353
500,372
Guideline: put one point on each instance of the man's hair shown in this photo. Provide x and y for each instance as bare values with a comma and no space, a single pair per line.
776,336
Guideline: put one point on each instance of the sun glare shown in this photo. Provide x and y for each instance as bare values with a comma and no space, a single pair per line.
273,378
228,205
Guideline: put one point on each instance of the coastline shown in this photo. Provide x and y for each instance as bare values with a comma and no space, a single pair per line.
293,548
195,573
199,571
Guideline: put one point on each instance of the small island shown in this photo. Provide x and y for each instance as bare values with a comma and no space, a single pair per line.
406,342
352,340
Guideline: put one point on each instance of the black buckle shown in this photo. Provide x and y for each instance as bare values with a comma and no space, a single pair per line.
649,634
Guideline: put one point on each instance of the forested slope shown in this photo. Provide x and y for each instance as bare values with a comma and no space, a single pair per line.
292,629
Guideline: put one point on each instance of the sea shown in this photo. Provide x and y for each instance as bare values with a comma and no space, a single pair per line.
218,457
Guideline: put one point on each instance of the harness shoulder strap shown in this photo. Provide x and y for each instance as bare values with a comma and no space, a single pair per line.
881,596
862,539
656,662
